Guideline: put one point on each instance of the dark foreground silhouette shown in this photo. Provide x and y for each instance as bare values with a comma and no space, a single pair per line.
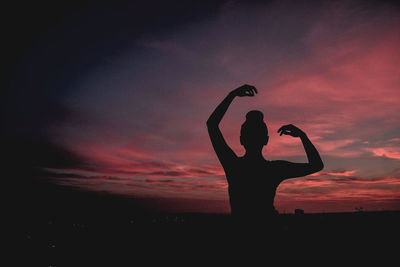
251,178
62,226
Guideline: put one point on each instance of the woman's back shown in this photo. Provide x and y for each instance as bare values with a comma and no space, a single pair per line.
252,186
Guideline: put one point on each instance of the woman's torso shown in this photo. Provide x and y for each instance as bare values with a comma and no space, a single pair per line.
252,186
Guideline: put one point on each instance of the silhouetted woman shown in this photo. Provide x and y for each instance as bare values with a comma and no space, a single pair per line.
252,179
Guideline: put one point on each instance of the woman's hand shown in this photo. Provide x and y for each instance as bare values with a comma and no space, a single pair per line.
291,130
244,90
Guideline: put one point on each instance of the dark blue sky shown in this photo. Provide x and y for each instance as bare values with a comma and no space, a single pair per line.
51,45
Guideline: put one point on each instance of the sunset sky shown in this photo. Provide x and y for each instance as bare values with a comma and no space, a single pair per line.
127,90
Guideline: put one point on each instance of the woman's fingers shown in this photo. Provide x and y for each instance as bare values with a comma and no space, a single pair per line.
249,92
253,89
286,132
246,90
285,129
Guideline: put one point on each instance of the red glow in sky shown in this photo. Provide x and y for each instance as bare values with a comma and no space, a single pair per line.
332,71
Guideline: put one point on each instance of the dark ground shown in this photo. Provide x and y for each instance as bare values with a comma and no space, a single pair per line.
63,227
115,240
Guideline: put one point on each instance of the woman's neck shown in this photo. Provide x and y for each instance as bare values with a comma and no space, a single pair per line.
254,154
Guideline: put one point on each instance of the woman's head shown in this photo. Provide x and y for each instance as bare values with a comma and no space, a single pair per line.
254,131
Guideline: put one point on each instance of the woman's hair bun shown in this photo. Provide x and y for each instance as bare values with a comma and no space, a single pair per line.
254,116
254,127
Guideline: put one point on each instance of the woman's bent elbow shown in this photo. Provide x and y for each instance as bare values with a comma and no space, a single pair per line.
319,167
211,123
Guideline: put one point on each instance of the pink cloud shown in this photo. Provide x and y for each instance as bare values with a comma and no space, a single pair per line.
389,152
384,148
346,173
